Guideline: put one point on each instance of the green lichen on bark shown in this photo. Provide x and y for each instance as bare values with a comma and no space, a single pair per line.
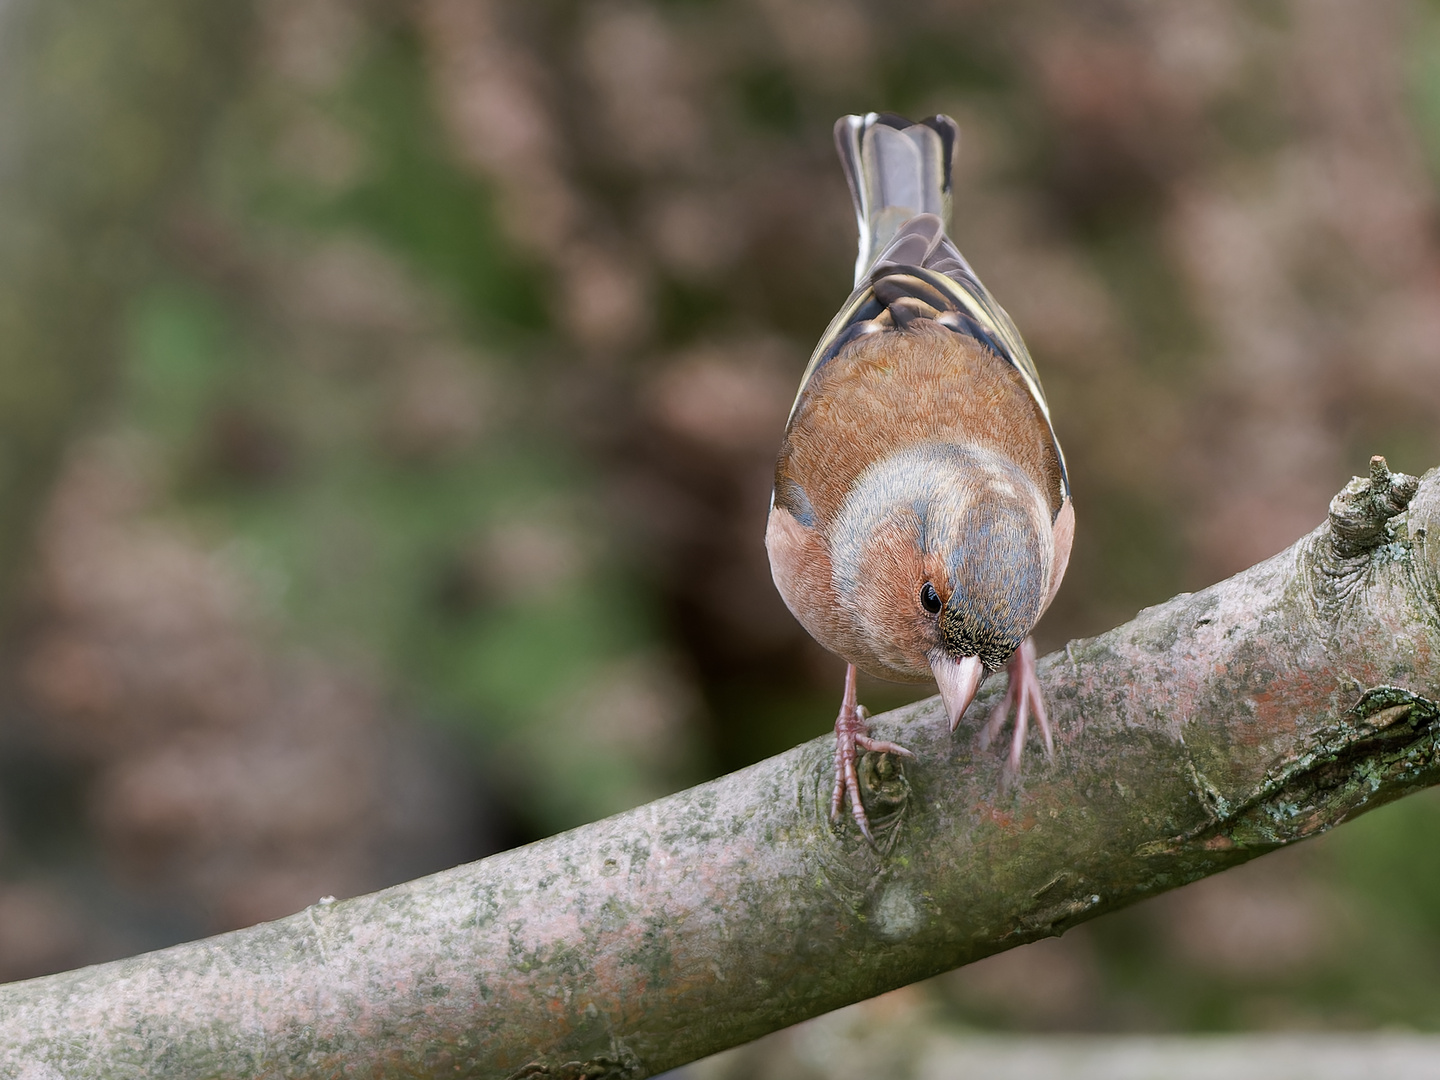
1206,731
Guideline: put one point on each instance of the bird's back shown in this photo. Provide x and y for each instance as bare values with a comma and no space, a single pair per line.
922,386
915,294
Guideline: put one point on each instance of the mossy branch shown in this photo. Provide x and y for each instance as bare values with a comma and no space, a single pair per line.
1208,730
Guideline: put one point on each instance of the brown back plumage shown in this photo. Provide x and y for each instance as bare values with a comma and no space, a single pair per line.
909,269
891,390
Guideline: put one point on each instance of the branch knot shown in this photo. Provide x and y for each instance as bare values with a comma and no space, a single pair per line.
1361,513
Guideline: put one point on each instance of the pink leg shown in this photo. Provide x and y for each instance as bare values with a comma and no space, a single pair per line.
1023,694
850,732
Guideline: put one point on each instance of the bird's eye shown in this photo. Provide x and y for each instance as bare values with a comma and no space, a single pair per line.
929,598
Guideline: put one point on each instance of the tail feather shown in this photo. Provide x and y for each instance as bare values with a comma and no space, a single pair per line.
896,169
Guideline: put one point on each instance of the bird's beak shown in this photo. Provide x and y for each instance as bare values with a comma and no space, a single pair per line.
958,679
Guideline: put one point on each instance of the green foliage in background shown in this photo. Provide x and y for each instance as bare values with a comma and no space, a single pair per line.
366,549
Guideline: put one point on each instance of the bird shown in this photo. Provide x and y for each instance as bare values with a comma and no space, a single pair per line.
921,518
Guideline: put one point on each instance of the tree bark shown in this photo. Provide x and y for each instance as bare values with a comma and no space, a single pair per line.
1208,730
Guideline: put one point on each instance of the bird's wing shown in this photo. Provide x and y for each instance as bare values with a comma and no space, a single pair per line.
922,275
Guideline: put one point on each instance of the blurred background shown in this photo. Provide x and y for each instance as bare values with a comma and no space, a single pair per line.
389,393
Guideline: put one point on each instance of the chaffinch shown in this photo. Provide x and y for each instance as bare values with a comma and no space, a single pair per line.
921,519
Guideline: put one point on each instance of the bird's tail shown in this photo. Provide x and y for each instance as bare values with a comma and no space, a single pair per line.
896,169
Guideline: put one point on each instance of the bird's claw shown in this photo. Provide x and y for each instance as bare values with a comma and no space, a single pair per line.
1024,696
851,732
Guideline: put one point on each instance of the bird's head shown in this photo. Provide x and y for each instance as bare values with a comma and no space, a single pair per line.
944,554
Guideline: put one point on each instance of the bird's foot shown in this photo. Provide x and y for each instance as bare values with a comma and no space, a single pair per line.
851,732
1024,696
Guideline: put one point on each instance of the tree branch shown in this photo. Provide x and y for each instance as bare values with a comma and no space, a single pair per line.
1210,729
